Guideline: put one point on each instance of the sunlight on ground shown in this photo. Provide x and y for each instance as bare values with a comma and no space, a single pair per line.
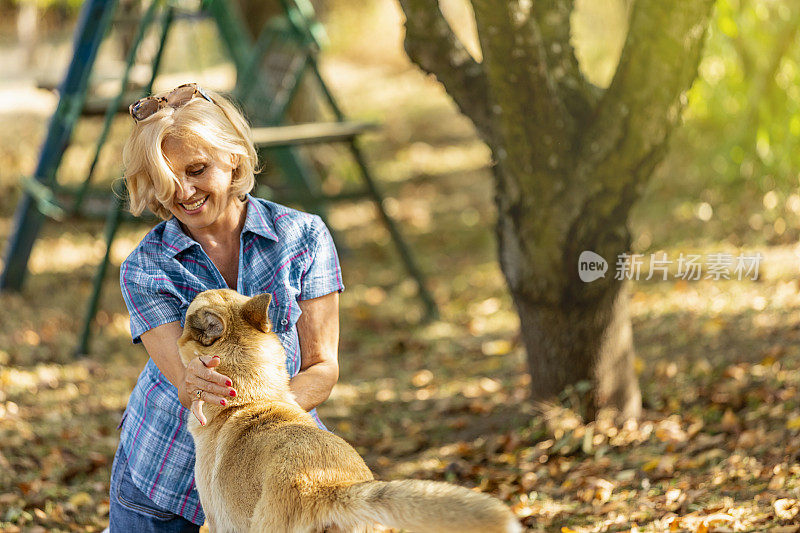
65,253
775,290
421,158
21,96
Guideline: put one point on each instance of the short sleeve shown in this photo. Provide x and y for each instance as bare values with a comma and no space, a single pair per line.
323,275
151,299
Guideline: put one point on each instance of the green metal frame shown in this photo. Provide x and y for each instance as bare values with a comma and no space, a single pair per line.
111,112
298,26
93,22
115,210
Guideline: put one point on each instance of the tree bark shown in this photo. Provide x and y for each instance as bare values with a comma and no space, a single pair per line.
573,344
570,160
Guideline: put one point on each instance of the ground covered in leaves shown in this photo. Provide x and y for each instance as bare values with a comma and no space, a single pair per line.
719,363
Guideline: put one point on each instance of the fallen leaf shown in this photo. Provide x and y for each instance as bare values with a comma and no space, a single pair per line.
80,499
730,422
786,508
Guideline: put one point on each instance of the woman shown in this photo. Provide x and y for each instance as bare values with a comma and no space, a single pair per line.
190,159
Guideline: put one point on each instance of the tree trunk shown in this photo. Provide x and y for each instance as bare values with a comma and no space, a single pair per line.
573,344
582,332
570,160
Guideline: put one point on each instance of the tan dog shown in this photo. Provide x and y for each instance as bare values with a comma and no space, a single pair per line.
264,465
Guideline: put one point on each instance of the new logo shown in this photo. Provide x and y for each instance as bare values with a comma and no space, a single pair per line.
591,266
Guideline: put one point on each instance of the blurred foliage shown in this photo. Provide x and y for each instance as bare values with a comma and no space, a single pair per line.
70,5
733,170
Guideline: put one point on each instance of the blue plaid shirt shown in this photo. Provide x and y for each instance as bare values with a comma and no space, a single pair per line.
285,252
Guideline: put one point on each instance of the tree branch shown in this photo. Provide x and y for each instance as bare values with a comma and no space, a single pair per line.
579,95
764,81
431,44
527,106
628,134
746,56
644,102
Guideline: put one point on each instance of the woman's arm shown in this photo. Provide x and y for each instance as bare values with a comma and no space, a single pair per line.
161,343
318,330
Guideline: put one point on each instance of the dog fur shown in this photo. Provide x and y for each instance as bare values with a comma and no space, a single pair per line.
263,465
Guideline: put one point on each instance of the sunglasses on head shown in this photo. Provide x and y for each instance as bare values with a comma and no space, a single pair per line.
146,107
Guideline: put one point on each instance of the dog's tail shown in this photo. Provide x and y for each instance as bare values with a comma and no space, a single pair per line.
424,507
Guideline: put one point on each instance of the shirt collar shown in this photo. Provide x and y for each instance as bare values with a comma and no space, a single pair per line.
258,221
175,239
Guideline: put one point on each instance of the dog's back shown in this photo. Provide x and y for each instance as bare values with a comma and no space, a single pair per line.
263,465
270,456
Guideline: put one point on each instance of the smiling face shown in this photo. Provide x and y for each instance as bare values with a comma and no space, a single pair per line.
203,197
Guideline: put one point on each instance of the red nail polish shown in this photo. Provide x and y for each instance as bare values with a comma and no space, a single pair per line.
233,393
222,402
228,382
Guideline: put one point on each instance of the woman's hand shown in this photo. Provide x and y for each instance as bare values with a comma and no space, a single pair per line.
162,345
214,387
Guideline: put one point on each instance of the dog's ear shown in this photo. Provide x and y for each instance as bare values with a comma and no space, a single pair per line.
206,326
254,311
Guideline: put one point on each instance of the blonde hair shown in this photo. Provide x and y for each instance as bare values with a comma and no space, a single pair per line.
217,127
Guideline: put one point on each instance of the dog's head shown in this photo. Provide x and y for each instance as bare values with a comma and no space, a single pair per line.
218,320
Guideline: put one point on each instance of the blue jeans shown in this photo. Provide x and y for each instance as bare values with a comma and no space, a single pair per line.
133,512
